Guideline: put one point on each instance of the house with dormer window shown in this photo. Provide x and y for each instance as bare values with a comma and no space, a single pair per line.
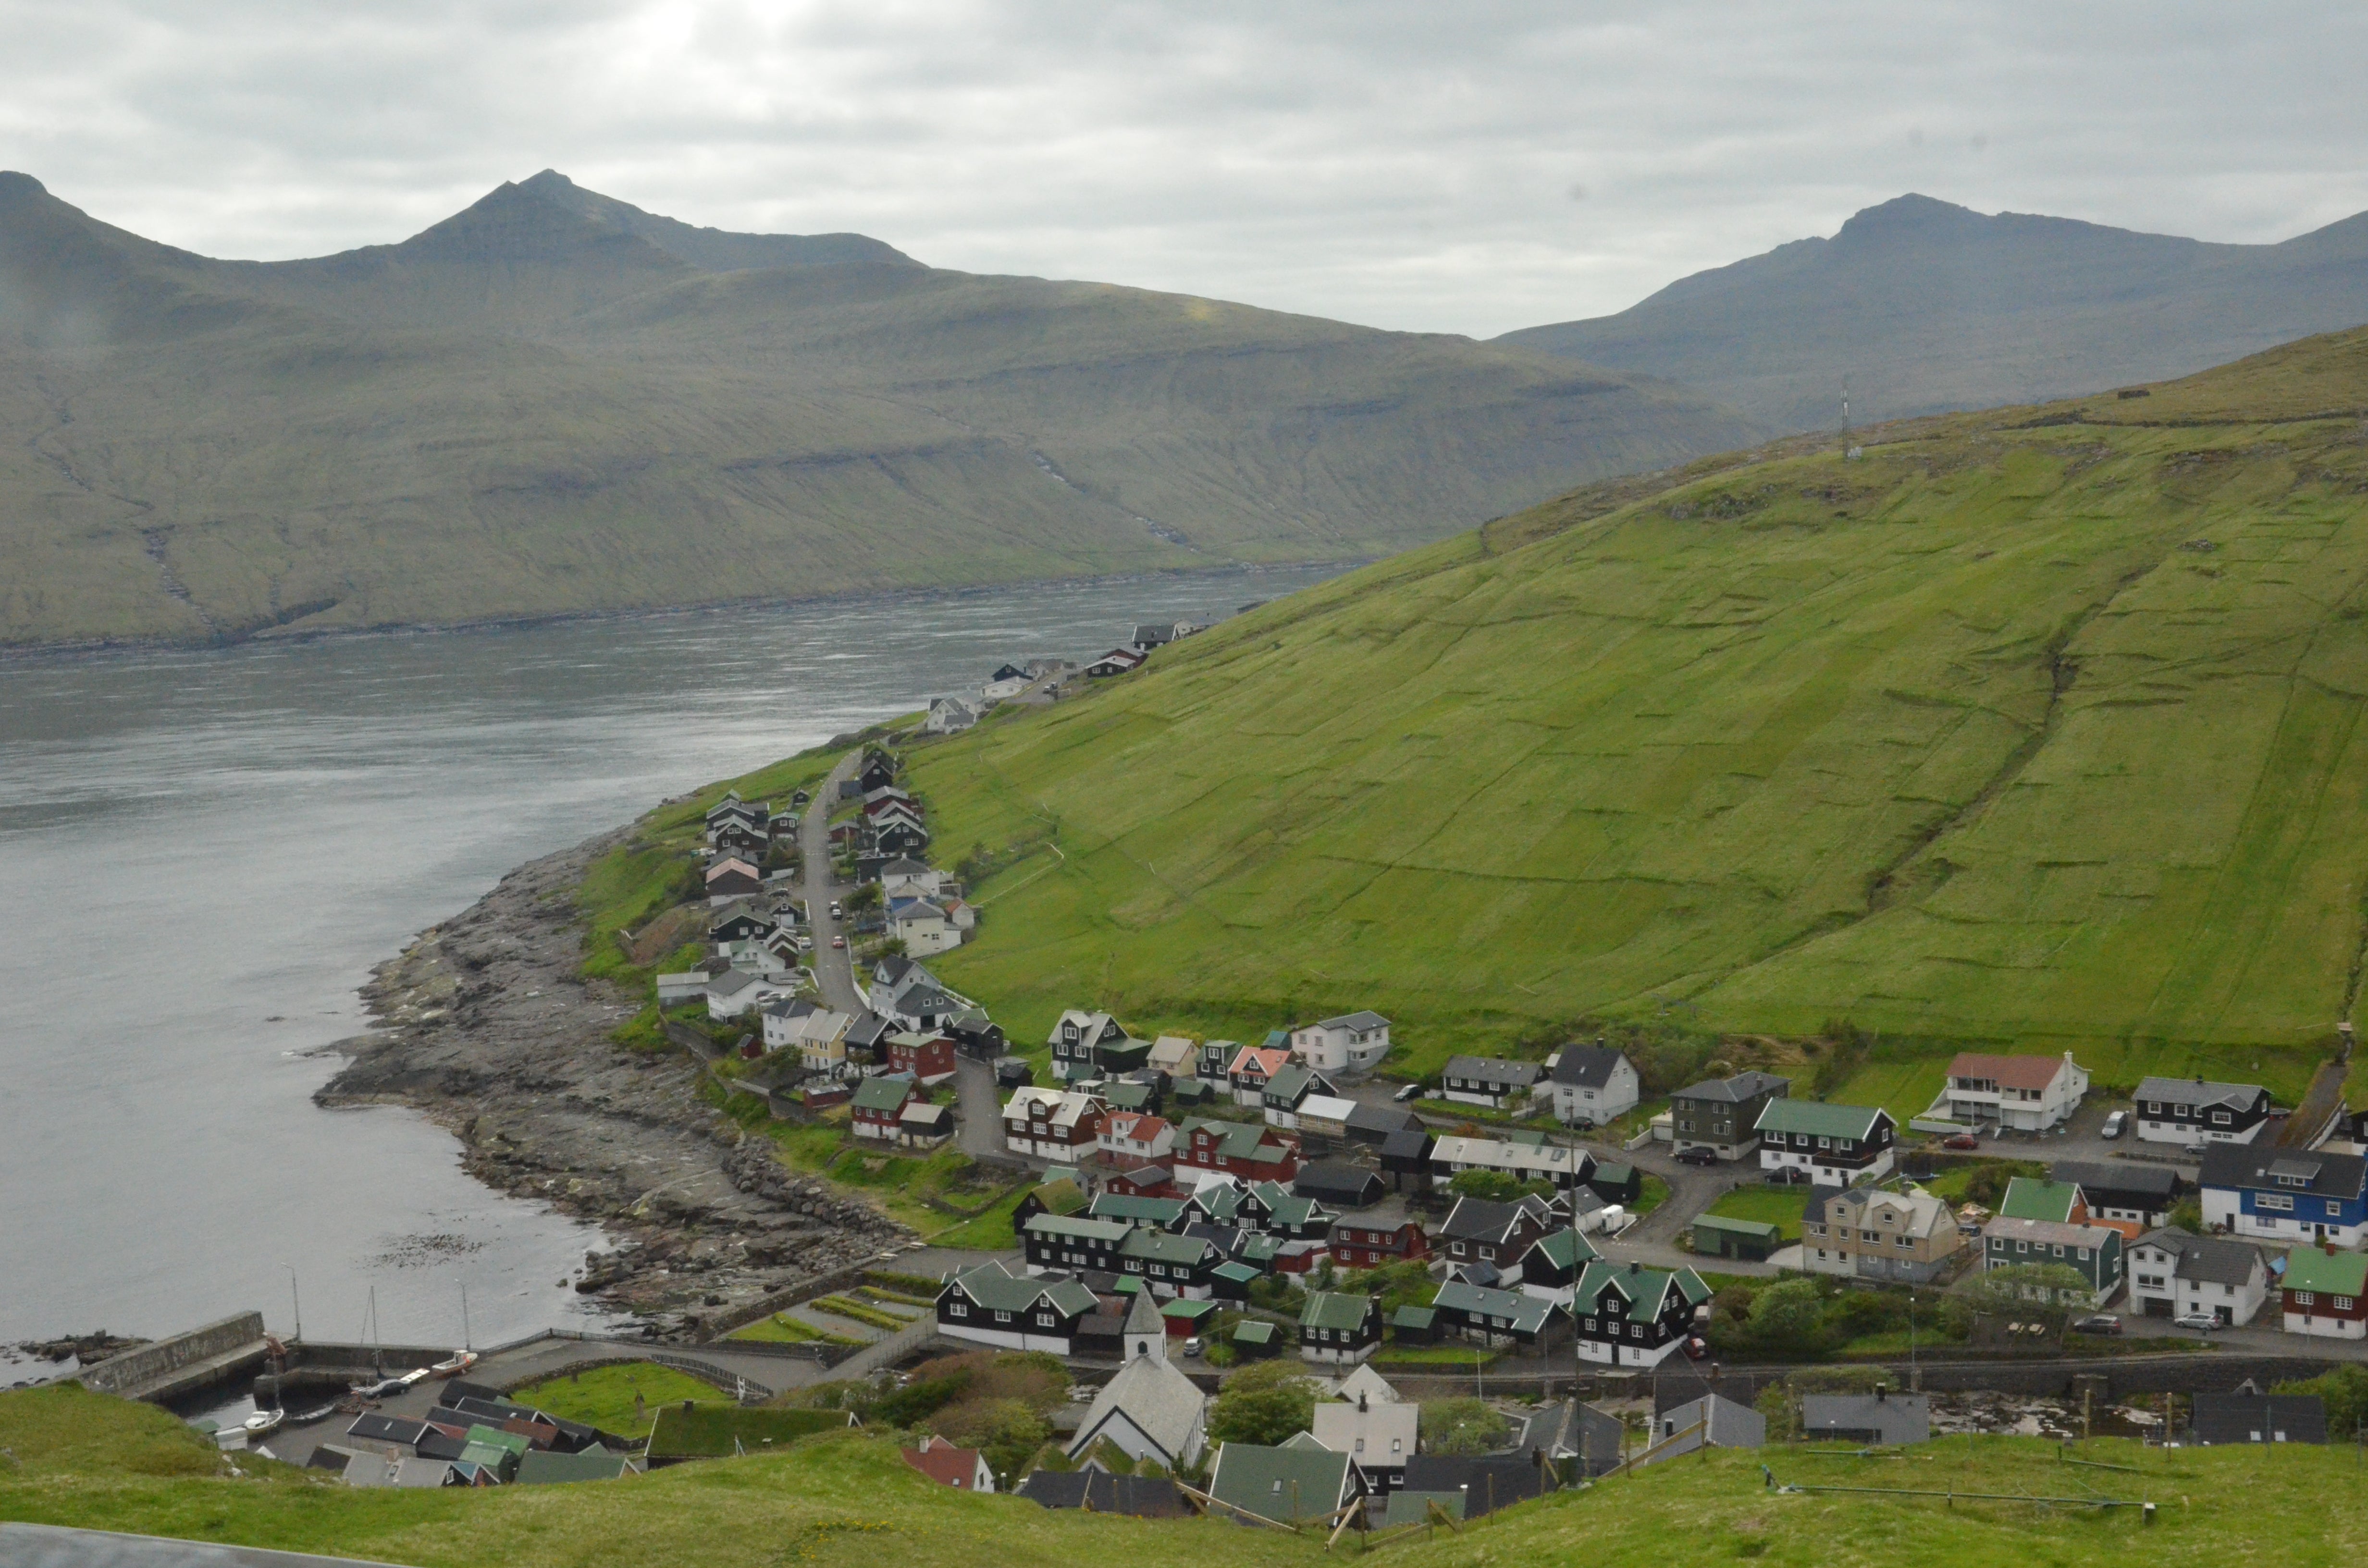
1629,1315
1833,1146
991,1305
1078,1041
2286,1195
2188,1111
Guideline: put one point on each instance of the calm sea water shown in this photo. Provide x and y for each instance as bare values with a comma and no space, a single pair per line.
203,853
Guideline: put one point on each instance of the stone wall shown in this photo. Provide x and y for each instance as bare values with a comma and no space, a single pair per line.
134,1371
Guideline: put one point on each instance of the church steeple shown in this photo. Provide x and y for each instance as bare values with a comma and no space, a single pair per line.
1145,1331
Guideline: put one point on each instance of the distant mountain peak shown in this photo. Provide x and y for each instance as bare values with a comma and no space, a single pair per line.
1912,215
712,250
15,186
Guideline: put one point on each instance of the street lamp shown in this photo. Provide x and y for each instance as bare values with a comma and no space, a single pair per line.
294,1301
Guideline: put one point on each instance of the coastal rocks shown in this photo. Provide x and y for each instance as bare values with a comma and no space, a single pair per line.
486,1026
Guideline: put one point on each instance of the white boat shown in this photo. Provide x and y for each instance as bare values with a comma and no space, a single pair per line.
262,1421
461,1361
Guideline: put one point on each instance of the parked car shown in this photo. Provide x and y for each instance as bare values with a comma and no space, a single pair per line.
834,910
1698,1155
1961,1141
2113,1124
2204,1323
1409,1092
1192,1346
2103,1323
2199,1149
839,941
1695,1348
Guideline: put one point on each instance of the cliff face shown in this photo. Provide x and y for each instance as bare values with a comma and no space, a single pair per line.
490,1031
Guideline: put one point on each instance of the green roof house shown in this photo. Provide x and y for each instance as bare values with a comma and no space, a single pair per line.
1337,1325
2028,1197
1289,1486
1832,1145
1717,1235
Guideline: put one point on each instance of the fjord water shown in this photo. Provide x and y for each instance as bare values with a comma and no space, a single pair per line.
203,852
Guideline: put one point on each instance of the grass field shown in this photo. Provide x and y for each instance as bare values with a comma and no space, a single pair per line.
848,1501
603,1396
1777,1206
2035,728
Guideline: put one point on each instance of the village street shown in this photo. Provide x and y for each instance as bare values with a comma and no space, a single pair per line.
833,971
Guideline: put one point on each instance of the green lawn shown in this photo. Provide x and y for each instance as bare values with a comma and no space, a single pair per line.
1434,1356
1903,1088
846,1500
1777,1206
1627,751
1651,1191
783,1329
603,1397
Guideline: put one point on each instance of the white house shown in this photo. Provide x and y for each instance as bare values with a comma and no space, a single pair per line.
1174,1055
927,926
1131,1136
1062,1126
735,991
2022,1094
1564,1167
1378,1435
904,875
950,714
1353,1042
2172,1272
1003,690
1150,1410
1592,1084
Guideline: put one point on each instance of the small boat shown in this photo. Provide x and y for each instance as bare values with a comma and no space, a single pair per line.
461,1361
262,1421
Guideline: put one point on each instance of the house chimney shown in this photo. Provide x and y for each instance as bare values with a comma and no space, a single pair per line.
1361,1402
1634,1267
1881,1394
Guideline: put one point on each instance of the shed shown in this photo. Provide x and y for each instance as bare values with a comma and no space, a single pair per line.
1718,1236
1415,1325
1255,1336
1338,1182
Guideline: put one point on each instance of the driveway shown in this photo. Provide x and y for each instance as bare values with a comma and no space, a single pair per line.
833,970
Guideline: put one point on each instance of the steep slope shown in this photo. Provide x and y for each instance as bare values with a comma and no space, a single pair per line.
2039,726
553,402
1926,306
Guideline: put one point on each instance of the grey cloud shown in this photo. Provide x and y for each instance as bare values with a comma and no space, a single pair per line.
1408,165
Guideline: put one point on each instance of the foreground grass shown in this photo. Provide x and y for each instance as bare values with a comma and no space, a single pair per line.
603,1396
848,1501
2030,727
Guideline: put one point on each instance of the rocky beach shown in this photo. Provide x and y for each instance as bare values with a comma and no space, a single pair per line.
487,1026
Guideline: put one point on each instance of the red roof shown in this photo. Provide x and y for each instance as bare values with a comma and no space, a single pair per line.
944,1463
2007,1072
1254,1060
1135,1124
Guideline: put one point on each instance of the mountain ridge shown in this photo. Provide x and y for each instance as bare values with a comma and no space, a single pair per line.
552,403
1928,306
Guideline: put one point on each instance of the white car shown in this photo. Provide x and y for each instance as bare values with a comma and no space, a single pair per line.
2204,1323
2113,1124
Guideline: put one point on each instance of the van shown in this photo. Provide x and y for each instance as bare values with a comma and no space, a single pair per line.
2113,1124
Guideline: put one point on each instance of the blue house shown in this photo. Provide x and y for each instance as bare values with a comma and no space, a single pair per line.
2286,1195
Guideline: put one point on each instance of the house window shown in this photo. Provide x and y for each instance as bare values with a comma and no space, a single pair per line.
1003,1317
2342,1304
2282,1202
2333,1207
956,1309
2220,1118
2302,1298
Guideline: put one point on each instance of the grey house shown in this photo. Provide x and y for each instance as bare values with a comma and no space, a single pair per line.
1879,1417
1722,1114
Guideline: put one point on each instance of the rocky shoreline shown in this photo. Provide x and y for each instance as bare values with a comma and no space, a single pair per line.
486,1026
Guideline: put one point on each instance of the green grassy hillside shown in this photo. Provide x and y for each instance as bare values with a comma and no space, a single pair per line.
77,1458
555,403
2038,727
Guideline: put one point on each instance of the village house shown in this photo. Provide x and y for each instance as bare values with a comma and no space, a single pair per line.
930,1058
2188,1111
1139,1209
1489,1080
1066,1243
2248,1415
930,926
1062,1126
1368,1241
1338,1182
1298,1482
1563,1166
1174,1055
1835,1145
2123,1190
1249,1072
1077,1041
1707,1421
1722,1114
1245,1151
820,1039
1479,1231
1489,1316
877,1110
736,990
963,1469
1134,1137
902,877
1353,1042
925,1126
1291,1086
2173,1273
1337,1327
950,716
1326,1115
2027,1198
1550,1269
1633,1316
1117,662
2021,1093
1869,1233
1378,1435
1882,1418
1171,1264
2091,1251
731,876
1592,1084
2324,1294
991,1305
2296,1196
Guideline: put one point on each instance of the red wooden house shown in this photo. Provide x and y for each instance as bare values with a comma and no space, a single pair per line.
929,1057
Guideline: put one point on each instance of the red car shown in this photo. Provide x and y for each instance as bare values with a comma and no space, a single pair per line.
1961,1141
839,941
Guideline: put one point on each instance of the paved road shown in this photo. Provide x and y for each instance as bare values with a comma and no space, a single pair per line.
980,1106
833,969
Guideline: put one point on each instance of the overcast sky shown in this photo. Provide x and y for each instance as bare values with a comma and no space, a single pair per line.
1450,167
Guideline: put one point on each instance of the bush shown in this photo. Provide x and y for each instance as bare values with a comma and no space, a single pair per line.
1263,1403
1461,1426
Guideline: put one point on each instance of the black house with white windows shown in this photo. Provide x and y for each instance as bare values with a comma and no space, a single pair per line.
2188,1111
